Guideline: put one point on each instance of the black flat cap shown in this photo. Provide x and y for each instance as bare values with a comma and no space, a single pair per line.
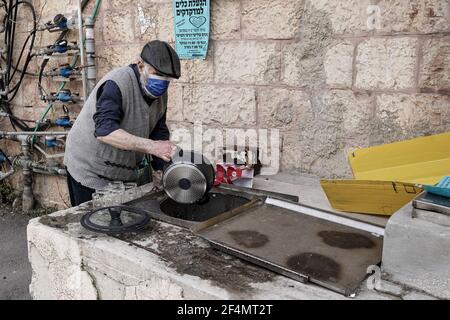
161,56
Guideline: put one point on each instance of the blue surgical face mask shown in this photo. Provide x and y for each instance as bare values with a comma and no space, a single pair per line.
155,86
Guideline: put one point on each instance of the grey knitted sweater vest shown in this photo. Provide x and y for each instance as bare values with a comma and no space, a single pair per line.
94,163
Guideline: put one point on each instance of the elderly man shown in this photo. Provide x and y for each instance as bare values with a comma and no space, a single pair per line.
122,121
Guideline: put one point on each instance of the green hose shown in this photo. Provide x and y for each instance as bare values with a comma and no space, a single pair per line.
74,62
96,8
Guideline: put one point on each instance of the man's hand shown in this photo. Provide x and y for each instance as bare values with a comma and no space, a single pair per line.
125,141
162,149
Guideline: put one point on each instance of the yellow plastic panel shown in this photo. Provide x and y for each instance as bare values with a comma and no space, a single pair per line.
422,160
373,197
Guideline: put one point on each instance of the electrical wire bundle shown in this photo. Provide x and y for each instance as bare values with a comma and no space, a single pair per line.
11,9
10,70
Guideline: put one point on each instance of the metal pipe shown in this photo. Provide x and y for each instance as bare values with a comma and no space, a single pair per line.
5,134
41,168
80,33
16,138
49,173
27,196
90,55
3,176
46,155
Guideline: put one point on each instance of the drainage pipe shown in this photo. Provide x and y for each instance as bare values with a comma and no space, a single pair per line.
80,34
27,197
91,77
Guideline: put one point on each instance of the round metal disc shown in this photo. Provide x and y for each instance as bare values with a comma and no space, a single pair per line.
115,219
184,183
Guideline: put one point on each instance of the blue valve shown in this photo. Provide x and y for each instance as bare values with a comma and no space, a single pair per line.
64,96
51,142
61,47
61,22
63,122
65,72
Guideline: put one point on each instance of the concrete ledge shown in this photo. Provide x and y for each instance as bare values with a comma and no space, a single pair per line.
162,262
416,251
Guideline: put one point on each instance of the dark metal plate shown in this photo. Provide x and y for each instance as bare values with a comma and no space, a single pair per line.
299,246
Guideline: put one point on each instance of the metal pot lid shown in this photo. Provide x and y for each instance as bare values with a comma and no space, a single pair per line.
115,220
184,183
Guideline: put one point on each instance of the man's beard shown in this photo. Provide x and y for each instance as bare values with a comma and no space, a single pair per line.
143,82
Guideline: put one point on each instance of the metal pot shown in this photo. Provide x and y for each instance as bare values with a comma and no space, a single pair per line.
188,177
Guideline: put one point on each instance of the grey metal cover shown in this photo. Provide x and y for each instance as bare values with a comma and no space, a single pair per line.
299,246
431,202
195,184
188,176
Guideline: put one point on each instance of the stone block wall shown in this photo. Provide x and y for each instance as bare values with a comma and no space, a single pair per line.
331,75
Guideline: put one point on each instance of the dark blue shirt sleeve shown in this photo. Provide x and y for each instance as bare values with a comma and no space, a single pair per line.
160,132
109,111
